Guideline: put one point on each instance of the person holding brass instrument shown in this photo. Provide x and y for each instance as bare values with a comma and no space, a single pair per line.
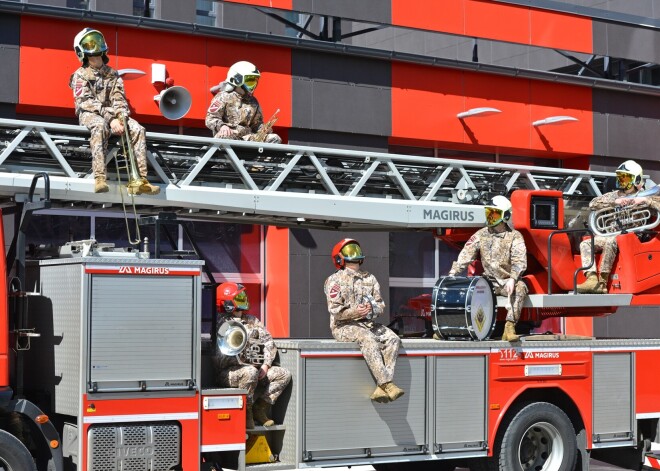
354,301
629,182
235,113
504,258
100,101
251,368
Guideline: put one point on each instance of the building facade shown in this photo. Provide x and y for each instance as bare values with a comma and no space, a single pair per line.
575,84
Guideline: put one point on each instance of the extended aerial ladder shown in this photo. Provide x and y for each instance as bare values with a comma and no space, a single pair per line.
291,185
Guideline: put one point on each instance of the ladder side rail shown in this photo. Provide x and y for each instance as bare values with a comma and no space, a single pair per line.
192,173
239,168
325,178
400,182
159,169
275,184
14,144
357,186
55,153
436,184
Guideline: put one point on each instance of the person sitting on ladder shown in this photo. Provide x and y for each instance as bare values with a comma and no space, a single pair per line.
101,106
504,258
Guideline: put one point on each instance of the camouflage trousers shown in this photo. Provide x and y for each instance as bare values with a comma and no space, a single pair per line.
378,344
270,138
517,298
606,245
100,132
246,377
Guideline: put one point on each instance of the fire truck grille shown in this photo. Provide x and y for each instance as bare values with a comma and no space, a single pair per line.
134,447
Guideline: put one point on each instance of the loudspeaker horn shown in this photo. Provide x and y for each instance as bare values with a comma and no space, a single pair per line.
174,102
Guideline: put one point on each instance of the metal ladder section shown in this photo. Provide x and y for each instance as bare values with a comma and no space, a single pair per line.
287,185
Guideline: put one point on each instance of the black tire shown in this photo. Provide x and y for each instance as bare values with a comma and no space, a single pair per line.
540,437
13,454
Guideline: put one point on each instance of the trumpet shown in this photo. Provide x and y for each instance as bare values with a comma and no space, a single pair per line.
614,221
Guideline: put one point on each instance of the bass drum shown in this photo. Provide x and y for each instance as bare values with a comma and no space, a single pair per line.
464,307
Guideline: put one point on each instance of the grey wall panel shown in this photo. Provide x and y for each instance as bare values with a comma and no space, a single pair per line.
124,7
343,94
354,422
9,58
626,137
626,42
247,18
176,10
310,265
338,140
612,384
377,11
633,322
625,104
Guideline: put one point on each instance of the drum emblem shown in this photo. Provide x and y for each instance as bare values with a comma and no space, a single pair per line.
479,319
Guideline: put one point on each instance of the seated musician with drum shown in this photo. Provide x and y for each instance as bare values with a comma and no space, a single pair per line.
504,258
250,370
354,301
629,182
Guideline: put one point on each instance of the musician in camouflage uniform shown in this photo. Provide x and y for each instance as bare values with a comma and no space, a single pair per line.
263,381
354,300
100,101
234,112
504,258
630,181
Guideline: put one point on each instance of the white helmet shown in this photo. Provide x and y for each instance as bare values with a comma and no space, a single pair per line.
498,210
244,74
628,174
90,42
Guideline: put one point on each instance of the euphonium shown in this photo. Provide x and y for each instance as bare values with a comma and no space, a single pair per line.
134,179
614,221
232,338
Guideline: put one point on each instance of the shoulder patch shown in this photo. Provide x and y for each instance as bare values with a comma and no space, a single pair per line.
215,106
78,88
334,291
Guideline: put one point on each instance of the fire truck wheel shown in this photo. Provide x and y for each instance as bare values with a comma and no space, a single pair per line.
540,437
13,454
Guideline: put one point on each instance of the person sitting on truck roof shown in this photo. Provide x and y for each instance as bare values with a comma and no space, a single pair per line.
234,112
354,301
101,106
629,182
250,369
504,258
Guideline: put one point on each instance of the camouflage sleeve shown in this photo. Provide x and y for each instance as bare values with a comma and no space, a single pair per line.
653,202
518,256
468,254
83,96
215,113
380,304
270,350
603,201
257,120
337,305
119,105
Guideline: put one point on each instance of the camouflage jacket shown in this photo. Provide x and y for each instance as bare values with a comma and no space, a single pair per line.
607,200
347,288
99,91
256,333
241,113
503,255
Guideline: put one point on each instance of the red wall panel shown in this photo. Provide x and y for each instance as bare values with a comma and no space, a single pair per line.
196,63
497,21
426,110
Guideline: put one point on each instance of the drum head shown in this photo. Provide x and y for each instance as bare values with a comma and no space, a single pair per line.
481,309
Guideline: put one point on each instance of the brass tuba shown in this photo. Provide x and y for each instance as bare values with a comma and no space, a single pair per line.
232,338
613,221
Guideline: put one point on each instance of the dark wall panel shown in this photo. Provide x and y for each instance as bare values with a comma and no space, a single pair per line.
124,7
310,265
9,57
631,322
341,94
247,18
626,42
177,10
378,11
336,140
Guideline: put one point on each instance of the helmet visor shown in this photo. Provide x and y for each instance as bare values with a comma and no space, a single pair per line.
624,180
352,252
93,44
241,301
251,81
493,215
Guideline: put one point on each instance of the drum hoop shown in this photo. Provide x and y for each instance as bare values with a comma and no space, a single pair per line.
468,298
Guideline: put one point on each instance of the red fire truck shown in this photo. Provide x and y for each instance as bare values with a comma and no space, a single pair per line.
104,366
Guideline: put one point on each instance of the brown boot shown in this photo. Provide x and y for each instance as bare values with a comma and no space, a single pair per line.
259,410
393,391
249,418
509,334
100,185
591,284
147,188
603,278
379,395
